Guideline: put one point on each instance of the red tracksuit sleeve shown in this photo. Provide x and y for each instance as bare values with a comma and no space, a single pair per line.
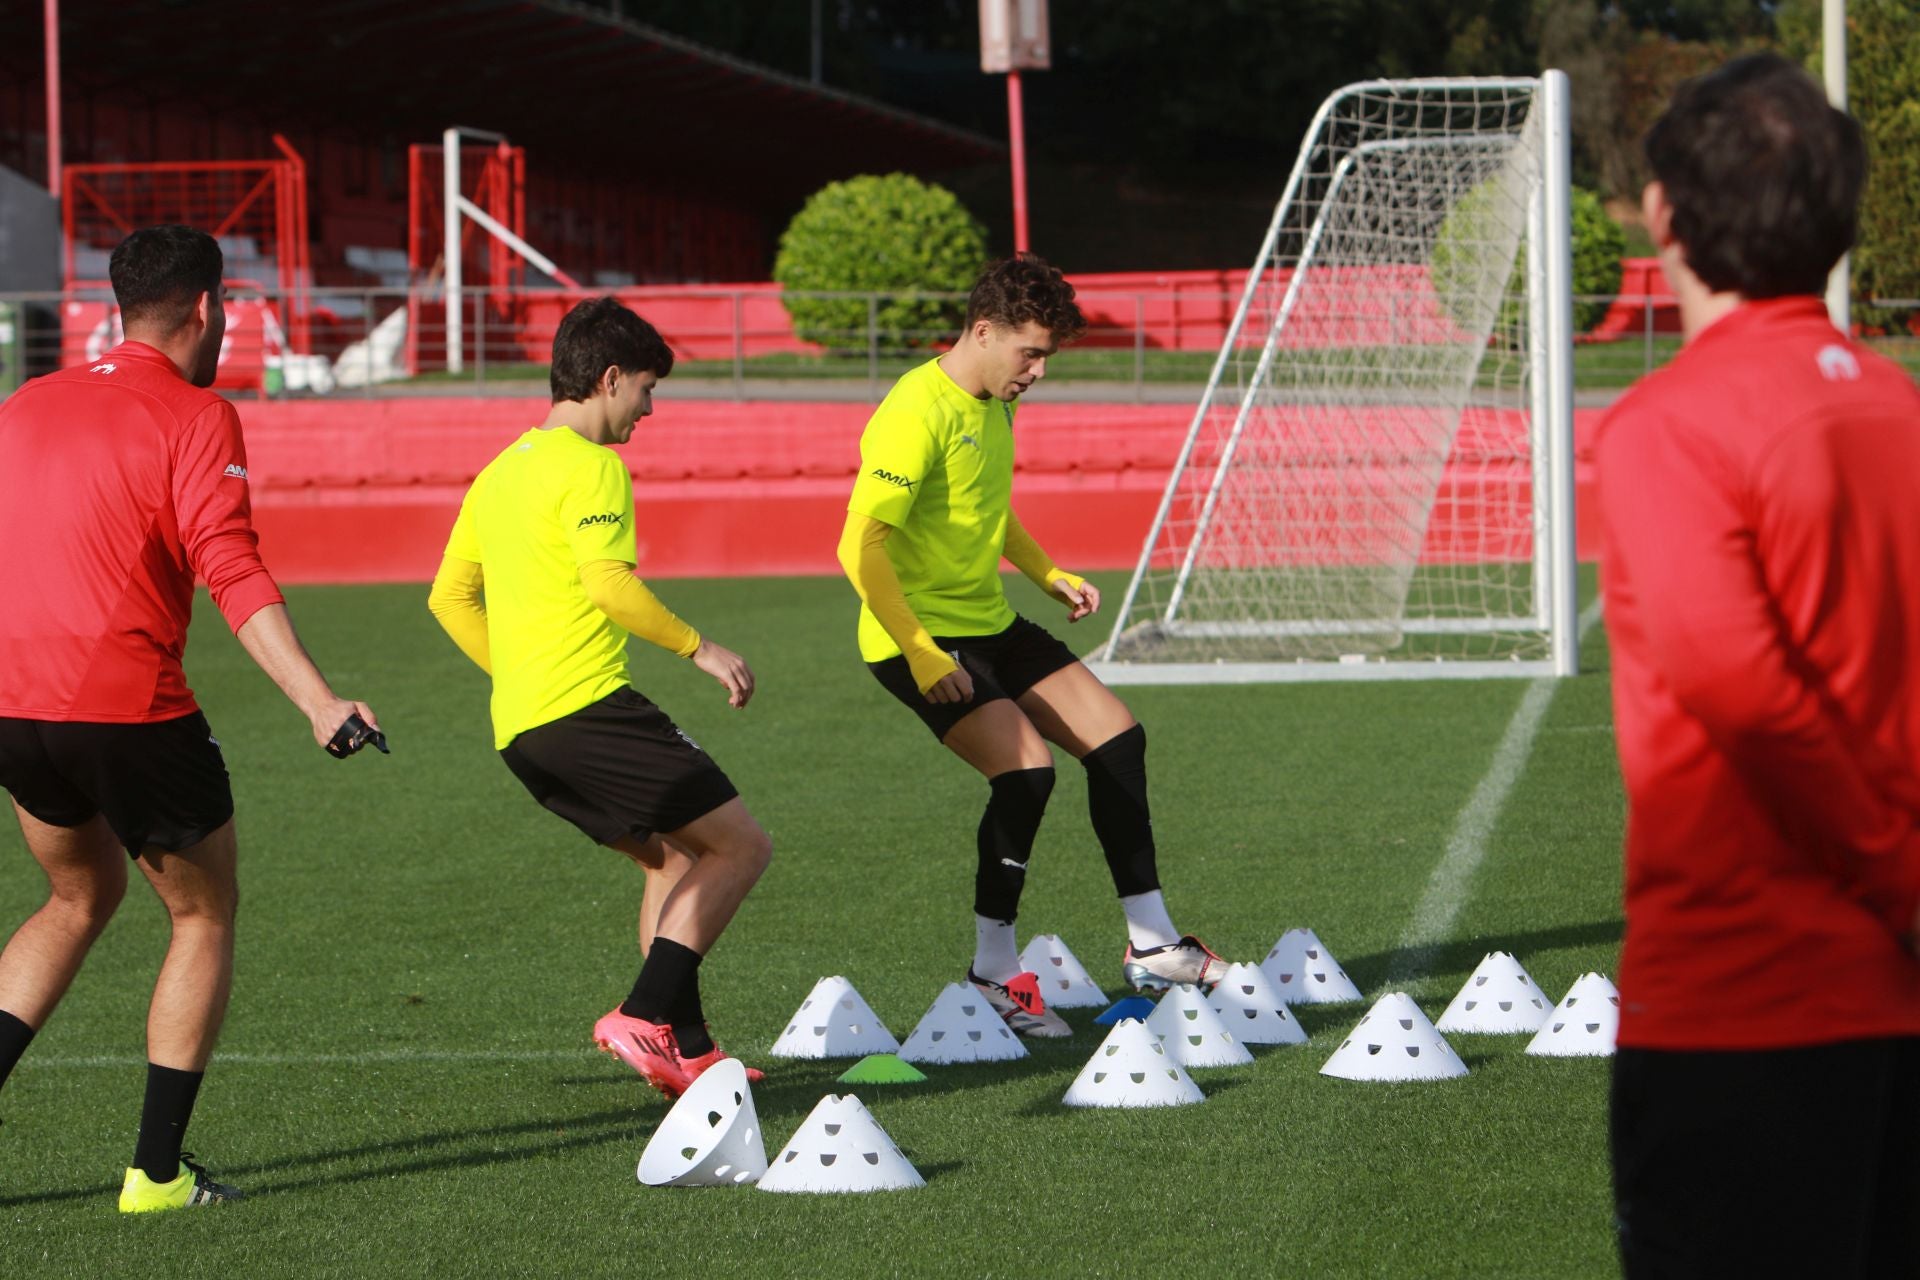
215,513
1673,505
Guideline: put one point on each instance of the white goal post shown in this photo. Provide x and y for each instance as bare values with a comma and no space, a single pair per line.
1378,480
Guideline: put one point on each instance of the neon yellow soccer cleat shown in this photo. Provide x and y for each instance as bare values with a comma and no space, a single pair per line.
141,1194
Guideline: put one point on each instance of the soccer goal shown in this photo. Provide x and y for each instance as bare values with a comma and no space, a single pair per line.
1378,480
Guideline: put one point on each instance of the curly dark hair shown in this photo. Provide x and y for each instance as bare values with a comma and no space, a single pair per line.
599,333
1026,287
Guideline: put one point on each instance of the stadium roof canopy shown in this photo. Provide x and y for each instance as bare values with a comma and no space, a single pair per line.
557,77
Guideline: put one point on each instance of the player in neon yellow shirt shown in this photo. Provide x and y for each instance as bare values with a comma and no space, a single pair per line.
538,588
930,518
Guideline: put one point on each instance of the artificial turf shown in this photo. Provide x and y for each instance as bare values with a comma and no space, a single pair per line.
406,1085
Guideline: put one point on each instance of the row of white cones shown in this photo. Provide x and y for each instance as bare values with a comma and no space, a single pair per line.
712,1135
834,1021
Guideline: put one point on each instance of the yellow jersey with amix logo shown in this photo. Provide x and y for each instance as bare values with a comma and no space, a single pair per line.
551,502
937,465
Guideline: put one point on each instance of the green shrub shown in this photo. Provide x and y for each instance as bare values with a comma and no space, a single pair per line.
1459,251
891,234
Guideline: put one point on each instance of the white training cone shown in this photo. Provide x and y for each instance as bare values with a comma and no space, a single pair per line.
1583,1025
1132,1069
834,1022
1394,1041
840,1147
1193,1033
1064,981
1253,1010
1498,998
1303,971
961,1027
711,1137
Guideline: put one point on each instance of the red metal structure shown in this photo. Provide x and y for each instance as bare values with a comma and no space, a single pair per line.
257,209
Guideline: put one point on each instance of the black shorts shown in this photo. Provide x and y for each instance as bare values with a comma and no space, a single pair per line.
161,784
1777,1162
1003,665
618,768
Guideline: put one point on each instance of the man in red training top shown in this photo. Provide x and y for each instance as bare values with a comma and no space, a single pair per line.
119,482
1760,512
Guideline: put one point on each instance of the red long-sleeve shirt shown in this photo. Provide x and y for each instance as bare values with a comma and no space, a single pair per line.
1760,514
119,481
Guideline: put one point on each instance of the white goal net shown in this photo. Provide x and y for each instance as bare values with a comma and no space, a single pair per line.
1378,478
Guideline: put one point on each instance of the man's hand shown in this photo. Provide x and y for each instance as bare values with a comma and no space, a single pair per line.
1081,601
729,668
955,686
329,713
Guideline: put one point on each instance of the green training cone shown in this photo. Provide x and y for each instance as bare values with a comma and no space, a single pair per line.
882,1068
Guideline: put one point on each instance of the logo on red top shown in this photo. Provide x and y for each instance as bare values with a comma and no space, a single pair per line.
105,366
1837,364
235,470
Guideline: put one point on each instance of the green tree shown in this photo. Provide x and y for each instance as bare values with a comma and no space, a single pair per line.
890,234
1883,93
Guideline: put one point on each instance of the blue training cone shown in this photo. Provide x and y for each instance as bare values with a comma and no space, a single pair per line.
1129,1007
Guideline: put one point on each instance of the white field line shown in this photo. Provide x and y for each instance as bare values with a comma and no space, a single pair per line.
372,1058
1451,883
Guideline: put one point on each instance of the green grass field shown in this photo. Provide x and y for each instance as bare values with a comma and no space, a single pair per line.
406,1084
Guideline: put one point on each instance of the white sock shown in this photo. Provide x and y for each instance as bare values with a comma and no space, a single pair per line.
1148,924
994,957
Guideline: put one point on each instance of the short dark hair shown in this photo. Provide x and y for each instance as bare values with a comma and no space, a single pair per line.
1764,177
599,333
1026,287
159,272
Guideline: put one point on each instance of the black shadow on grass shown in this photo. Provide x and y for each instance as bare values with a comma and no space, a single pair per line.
1461,954
933,1172
69,1193
794,1086
608,1126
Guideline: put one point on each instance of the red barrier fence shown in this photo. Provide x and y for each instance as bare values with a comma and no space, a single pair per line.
366,492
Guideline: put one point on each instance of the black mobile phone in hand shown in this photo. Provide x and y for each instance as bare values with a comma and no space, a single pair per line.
353,735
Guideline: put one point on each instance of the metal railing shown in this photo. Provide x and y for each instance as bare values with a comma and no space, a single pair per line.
741,343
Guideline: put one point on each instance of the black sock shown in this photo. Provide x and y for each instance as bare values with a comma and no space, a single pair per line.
1005,839
163,1120
670,970
1117,803
14,1036
689,1021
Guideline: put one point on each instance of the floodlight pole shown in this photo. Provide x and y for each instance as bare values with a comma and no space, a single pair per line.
1013,38
1017,144
52,12
1833,58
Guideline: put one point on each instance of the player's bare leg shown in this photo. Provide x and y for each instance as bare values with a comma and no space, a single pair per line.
201,892
999,741
697,878
86,872
664,865
997,738
1073,710
730,854
200,889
